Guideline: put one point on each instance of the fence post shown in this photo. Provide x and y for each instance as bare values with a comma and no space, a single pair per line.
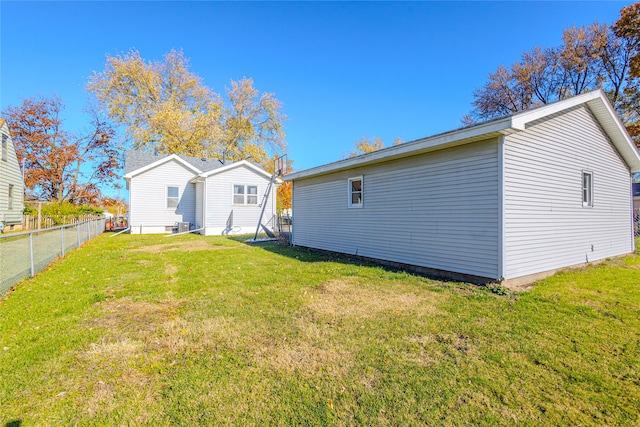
33,267
62,241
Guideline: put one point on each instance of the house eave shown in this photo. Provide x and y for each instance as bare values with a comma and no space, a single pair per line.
596,101
160,162
225,168
437,142
612,125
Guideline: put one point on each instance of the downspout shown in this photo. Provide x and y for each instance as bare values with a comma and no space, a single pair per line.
204,206
129,214
292,242
501,209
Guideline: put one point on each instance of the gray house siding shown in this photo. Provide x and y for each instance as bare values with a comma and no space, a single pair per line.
148,198
546,225
10,175
223,216
510,207
437,210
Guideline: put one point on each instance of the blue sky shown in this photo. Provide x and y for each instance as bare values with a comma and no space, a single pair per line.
343,70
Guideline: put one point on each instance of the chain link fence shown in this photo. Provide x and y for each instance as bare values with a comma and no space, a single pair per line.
23,255
284,225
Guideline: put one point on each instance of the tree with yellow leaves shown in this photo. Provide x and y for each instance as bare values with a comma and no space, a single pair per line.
366,145
166,108
253,123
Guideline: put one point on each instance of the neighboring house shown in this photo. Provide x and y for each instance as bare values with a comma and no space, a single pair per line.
511,199
11,183
215,198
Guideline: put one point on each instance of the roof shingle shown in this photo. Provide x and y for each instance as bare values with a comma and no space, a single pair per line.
136,159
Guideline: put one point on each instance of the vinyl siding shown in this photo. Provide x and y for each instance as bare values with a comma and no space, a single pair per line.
10,174
220,207
546,226
148,197
437,210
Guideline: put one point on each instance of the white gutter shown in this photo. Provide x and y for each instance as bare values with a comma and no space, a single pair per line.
440,141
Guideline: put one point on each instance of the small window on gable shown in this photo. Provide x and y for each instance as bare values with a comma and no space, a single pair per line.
355,192
587,189
5,147
173,197
10,198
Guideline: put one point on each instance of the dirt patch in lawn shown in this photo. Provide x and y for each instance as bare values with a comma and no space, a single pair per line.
429,349
350,299
190,246
115,363
315,347
124,349
178,335
171,270
102,396
304,357
125,317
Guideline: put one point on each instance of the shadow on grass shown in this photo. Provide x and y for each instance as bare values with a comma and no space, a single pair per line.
13,423
313,255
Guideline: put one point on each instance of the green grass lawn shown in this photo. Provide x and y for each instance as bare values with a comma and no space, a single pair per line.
191,330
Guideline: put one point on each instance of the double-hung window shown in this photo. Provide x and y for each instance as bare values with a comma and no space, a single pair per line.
173,197
587,189
252,194
238,194
245,194
356,191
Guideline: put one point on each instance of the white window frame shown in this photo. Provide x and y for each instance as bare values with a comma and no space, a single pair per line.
166,197
234,194
587,189
245,194
10,197
350,192
5,147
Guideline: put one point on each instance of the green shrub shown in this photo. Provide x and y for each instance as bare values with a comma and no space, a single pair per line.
59,211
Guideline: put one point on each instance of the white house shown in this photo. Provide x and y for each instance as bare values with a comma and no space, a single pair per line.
11,183
215,198
509,200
